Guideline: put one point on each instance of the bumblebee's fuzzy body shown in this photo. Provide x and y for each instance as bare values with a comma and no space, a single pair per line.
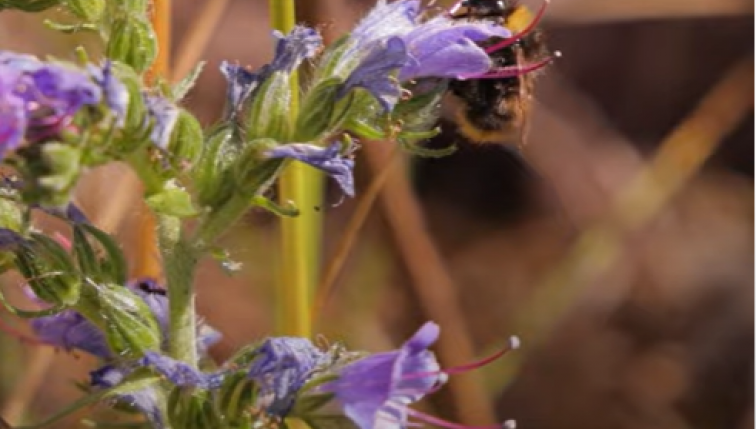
495,110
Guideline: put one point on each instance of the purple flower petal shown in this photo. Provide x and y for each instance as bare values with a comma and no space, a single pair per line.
240,83
163,115
281,368
374,72
329,159
301,43
385,20
445,49
115,93
72,331
377,389
145,400
180,373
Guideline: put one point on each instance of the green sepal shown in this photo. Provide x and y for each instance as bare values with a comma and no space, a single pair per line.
185,145
269,109
329,421
251,171
29,314
49,270
133,42
134,7
130,326
315,116
235,397
212,176
63,164
70,28
191,409
364,130
182,87
114,263
28,5
86,257
87,10
289,210
310,403
172,201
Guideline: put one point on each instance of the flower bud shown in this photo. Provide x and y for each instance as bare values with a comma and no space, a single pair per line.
251,172
49,270
212,175
129,324
132,41
269,109
185,144
316,116
87,10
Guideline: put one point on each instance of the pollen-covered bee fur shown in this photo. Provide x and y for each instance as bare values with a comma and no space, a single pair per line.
492,109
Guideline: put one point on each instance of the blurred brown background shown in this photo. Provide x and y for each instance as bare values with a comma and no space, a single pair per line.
648,325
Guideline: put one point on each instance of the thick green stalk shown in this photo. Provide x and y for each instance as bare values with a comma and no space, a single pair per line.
179,262
301,235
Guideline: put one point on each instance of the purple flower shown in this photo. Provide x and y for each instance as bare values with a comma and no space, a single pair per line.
145,400
446,49
40,99
180,373
280,369
13,119
115,93
386,20
328,159
156,298
374,72
375,391
72,331
240,83
162,115
301,43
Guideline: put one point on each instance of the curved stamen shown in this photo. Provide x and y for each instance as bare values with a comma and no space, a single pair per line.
509,424
513,71
514,344
453,10
516,37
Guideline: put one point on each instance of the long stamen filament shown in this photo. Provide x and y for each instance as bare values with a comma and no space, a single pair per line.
516,37
514,344
513,71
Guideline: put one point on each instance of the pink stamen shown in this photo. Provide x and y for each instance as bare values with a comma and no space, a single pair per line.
513,39
514,344
455,8
513,71
24,338
451,425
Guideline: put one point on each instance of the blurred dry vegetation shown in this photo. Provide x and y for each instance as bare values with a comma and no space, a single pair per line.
634,298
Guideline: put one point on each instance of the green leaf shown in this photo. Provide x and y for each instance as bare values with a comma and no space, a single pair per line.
181,88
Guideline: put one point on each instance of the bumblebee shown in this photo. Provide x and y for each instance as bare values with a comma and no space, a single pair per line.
493,108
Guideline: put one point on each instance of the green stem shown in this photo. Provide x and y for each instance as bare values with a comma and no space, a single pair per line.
301,235
180,262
